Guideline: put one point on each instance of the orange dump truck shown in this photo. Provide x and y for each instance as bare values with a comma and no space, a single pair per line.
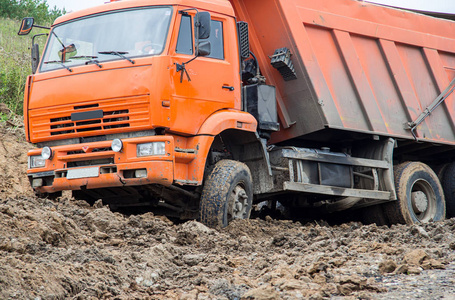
201,109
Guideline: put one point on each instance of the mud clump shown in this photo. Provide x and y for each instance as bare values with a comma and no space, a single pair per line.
68,249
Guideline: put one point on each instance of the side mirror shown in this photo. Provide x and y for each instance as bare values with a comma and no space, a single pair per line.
202,28
67,52
35,58
26,26
204,48
202,25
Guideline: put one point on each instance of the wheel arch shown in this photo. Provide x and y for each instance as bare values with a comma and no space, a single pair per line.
251,149
228,119
221,121
236,130
244,144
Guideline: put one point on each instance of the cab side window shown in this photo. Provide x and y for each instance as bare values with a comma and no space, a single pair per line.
216,40
185,39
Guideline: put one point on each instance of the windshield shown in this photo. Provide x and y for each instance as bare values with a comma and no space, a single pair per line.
114,36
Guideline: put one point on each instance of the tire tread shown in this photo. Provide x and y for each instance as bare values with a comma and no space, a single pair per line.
398,211
216,187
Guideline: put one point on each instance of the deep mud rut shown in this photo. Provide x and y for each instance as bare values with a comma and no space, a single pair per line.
66,249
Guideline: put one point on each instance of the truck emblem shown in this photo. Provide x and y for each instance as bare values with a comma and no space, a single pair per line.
85,148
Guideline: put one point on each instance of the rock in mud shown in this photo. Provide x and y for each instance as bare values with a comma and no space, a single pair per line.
387,266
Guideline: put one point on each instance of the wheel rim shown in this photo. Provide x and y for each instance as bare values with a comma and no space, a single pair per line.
238,203
423,201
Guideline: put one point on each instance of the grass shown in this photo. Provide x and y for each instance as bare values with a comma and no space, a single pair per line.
15,63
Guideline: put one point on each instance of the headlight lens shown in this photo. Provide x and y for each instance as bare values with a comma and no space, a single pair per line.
117,145
149,149
46,152
36,161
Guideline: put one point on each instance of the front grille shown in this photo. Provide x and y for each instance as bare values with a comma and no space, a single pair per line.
131,114
111,119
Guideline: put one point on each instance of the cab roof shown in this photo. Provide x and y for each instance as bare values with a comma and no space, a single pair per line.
219,6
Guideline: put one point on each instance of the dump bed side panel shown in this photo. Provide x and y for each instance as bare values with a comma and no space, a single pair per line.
360,67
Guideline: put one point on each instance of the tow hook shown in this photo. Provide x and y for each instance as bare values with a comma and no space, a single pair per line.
121,179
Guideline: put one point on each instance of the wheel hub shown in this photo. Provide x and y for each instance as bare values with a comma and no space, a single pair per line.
240,203
419,201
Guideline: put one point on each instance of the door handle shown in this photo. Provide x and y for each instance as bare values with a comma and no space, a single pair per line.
231,88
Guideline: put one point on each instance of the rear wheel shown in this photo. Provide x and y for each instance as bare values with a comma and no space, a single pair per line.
227,194
420,195
448,184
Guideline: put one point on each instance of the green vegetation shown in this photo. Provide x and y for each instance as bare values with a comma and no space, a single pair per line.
38,9
15,63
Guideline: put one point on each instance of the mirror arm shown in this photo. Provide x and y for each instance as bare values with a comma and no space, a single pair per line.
182,68
196,34
43,27
36,35
35,67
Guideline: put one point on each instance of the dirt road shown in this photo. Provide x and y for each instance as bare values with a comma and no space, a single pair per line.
67,249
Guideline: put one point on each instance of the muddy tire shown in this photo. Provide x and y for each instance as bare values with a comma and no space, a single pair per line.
227,194
420,195
447,178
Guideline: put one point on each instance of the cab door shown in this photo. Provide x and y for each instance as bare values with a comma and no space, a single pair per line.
207,84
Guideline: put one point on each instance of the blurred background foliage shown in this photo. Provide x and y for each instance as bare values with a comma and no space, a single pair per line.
38,9
15,63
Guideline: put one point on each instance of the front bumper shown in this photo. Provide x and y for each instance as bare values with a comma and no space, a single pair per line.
95,165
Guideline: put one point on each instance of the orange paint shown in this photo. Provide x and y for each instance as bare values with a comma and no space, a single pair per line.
136,97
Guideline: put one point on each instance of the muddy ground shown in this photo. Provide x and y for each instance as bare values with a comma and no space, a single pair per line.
67,249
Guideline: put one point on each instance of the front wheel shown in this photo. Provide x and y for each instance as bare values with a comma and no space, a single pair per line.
227,194
420,195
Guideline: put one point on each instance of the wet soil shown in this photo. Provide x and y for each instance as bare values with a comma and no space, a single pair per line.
67,249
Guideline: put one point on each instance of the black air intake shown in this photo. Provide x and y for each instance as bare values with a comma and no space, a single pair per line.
244,42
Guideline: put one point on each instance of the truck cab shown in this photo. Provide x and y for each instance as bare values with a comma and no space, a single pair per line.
130,72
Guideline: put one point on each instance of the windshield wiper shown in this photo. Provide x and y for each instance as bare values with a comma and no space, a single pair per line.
118,53
90,59
59,40
94,61
84,57
58,62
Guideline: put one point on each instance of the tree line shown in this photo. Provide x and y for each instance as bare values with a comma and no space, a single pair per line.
39,9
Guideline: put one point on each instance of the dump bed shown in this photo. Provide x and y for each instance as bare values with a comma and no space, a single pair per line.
360,67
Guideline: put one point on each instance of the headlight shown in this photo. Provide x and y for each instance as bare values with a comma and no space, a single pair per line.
36,161
149,149
117,145
46,153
